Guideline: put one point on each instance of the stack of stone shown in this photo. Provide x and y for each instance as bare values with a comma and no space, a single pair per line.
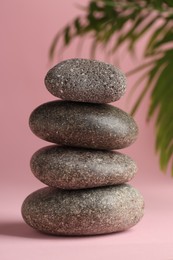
87,193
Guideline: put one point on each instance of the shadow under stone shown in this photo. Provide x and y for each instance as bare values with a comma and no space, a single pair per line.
20,229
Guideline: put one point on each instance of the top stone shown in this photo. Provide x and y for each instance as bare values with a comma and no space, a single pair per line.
85,80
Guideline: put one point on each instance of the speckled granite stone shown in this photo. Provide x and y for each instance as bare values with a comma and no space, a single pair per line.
86,81
77,168
83,212
98,126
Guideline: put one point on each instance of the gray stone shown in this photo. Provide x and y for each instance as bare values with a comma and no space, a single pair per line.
83,212
86,81
98,126
77,168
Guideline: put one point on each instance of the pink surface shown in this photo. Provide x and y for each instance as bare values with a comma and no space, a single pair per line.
27,30
151,239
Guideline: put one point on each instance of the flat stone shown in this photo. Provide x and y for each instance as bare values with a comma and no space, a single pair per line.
76,168
86,81
83,212
97,126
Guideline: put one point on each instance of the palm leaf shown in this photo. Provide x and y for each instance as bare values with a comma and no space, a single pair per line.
164,123
128,21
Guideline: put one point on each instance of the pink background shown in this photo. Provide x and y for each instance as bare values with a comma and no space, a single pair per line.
27,29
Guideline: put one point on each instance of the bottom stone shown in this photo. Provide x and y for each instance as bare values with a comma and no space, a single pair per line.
83,212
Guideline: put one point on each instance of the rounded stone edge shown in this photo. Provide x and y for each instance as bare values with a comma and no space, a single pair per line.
69,234
66,184
35,128
49,83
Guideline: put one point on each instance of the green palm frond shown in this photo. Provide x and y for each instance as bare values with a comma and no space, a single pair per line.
126,21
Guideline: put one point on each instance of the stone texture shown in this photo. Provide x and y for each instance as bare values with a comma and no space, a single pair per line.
98,126
86,81
76,168
83,212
